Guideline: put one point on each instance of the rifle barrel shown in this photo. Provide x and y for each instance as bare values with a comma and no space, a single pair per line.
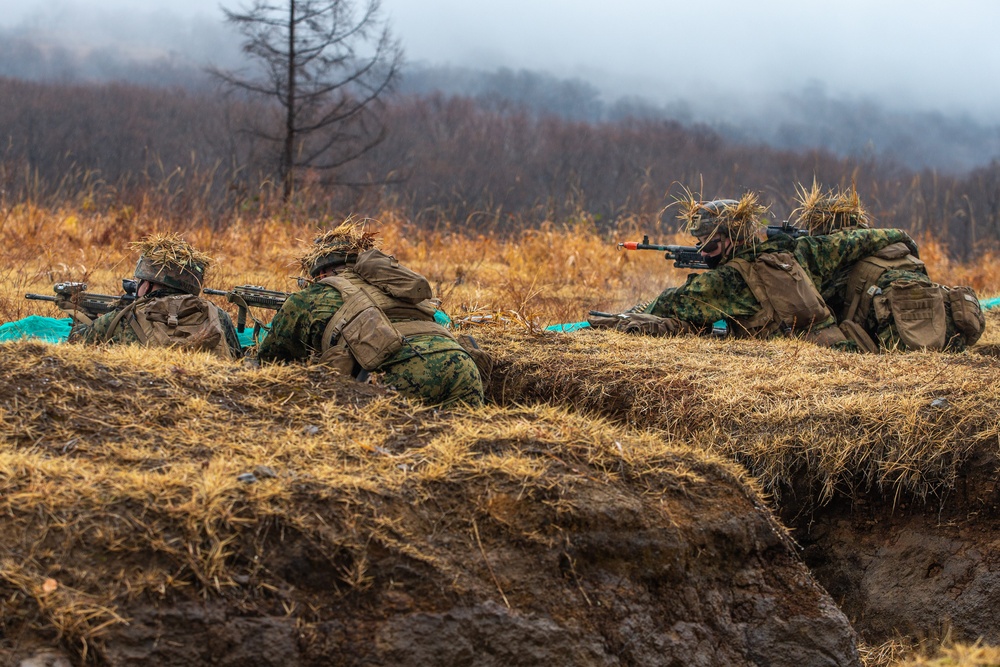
40,297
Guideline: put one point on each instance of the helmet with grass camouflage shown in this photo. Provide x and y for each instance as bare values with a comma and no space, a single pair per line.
737,219
826,212
337,247
171,261
707,219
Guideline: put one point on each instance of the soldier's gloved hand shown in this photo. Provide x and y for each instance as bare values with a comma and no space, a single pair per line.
73,310
605,321
651,325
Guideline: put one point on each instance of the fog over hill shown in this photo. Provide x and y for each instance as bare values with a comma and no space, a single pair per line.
855,89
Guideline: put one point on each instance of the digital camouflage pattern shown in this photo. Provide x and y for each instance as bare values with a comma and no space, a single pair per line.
721,293
94,334
434,369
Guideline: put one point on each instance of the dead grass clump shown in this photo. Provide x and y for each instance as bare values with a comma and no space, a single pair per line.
956,655
171,249
822,212
792,412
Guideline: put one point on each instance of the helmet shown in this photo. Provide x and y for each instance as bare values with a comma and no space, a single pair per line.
337,247
171,261
739,220
707,218
184,278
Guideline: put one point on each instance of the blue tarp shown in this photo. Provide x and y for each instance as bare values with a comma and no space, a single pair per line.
57,330
34,326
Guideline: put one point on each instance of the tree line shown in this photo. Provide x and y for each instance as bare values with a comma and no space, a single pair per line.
451,160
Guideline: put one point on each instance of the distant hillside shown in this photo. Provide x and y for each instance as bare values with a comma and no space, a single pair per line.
808,119
804,120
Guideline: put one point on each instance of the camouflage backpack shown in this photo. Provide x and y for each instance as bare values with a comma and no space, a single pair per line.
177,320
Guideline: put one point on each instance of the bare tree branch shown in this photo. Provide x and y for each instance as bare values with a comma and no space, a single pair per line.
325,64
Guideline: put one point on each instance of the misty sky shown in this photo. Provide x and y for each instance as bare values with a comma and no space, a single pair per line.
908,55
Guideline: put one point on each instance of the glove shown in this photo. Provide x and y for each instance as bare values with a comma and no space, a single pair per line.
605,321
651,325
640,324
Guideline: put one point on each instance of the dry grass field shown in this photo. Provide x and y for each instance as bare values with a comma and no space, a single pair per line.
777,408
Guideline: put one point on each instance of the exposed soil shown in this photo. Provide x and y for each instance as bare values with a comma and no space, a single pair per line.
899,522
919,569
377,534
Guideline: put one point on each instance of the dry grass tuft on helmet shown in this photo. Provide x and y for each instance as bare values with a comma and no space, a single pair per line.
170,260
739,219
348,238
169,249
824,212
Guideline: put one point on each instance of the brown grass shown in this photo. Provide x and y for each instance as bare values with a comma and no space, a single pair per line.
110,448
555,273
792,412
134,456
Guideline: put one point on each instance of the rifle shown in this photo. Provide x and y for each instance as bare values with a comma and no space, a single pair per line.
689,257
684,257
786,228
88,303
245,296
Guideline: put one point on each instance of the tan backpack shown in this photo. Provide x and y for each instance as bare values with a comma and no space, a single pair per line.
362,330
919,309
178,320
790,302
862,281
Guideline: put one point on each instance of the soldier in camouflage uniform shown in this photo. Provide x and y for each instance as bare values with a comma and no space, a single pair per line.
892,282
422,359
727,231
168,268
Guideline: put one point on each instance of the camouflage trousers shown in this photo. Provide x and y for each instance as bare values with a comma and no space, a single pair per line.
441,379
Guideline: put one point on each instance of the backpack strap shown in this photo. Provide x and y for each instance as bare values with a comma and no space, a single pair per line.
127,311
350,292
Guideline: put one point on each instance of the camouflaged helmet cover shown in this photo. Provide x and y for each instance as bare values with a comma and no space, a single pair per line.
824,212
740,219
338,246
169,260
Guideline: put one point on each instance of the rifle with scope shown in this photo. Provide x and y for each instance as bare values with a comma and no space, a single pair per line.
74,298
247,296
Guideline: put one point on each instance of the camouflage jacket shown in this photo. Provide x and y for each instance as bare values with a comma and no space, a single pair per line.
721,293
97,332
432,368
296,332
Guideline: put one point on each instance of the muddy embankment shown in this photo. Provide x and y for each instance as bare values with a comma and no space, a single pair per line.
885,468
170,509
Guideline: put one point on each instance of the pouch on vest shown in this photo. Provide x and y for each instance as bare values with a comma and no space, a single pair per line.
917,311
371,338
339,358
385,272
791,291
966,313
862,281
178,320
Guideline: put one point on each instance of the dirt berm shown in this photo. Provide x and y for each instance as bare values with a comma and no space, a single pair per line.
885,467
169,509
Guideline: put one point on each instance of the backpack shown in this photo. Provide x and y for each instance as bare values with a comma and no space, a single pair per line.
177,320
863,278
790,302
384,304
